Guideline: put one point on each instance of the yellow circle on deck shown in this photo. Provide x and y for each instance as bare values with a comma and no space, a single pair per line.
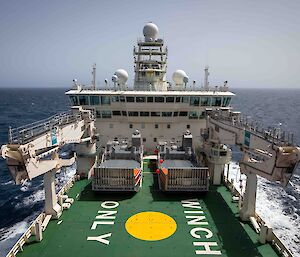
150,226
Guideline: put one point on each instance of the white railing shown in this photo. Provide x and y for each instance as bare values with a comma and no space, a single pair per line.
184,179
25,133
275,241
18,246
274,135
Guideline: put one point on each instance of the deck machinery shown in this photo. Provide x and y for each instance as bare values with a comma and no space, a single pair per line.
178,167
120,168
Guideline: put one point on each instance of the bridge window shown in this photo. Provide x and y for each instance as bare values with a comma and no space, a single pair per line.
193,115
150,99
140,99
106,114
83,100
144,114
175,114
178,99
133,114
205,101
159,99
183,114
185,99
194,100
122,98
115,98
116,113
105,100
216,101
226,101
94,100
155,114
74,99
223,153
170,99
124,113
167,114
129,99
98,114
202,115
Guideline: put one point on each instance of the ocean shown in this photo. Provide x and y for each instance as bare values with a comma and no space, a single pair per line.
19,205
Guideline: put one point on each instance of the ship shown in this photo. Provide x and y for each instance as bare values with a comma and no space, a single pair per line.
150,168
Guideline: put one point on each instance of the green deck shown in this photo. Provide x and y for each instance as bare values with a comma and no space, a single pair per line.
69,238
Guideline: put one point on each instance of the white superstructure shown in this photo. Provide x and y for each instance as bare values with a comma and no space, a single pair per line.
159,109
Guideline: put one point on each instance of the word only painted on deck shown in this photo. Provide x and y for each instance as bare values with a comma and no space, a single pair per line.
195,216
105,217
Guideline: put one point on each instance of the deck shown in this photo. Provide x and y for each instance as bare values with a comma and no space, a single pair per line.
160,229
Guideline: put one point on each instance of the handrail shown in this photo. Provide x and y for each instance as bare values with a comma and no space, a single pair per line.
18,246
278,244
25,133
274,135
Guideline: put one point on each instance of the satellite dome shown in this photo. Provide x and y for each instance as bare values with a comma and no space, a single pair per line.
150,31
180,77
120,76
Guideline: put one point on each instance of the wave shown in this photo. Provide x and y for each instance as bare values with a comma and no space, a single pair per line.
276,205
29,201
10,235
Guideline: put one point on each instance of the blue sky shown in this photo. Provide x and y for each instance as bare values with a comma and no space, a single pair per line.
248,43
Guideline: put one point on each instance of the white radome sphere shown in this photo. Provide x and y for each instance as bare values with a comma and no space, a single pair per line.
122,76
180,77
150,31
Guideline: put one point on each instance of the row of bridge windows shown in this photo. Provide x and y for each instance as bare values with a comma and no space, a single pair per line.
191,114
192,100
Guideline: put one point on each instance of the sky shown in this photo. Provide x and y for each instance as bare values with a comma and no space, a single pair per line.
249,43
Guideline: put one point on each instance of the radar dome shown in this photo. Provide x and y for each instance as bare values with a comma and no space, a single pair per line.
150,31
180,77
120,76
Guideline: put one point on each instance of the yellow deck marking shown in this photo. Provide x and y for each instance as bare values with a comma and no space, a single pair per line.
151,226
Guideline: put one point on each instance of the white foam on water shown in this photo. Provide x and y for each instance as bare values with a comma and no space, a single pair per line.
7,183
275,206
29,201
9,236
15,230
25,186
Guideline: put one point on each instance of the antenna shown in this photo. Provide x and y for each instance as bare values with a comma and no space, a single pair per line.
206,74
94,76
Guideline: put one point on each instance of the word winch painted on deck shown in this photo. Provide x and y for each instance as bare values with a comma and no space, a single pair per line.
195,216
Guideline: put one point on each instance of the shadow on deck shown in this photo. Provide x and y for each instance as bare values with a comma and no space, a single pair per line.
87,194
230,230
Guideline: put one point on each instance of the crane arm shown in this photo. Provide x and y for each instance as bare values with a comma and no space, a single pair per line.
269,154
29,148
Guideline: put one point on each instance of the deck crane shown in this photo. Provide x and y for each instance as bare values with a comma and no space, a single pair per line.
266,153
32,150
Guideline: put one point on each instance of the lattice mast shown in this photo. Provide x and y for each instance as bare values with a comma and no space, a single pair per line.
150,59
